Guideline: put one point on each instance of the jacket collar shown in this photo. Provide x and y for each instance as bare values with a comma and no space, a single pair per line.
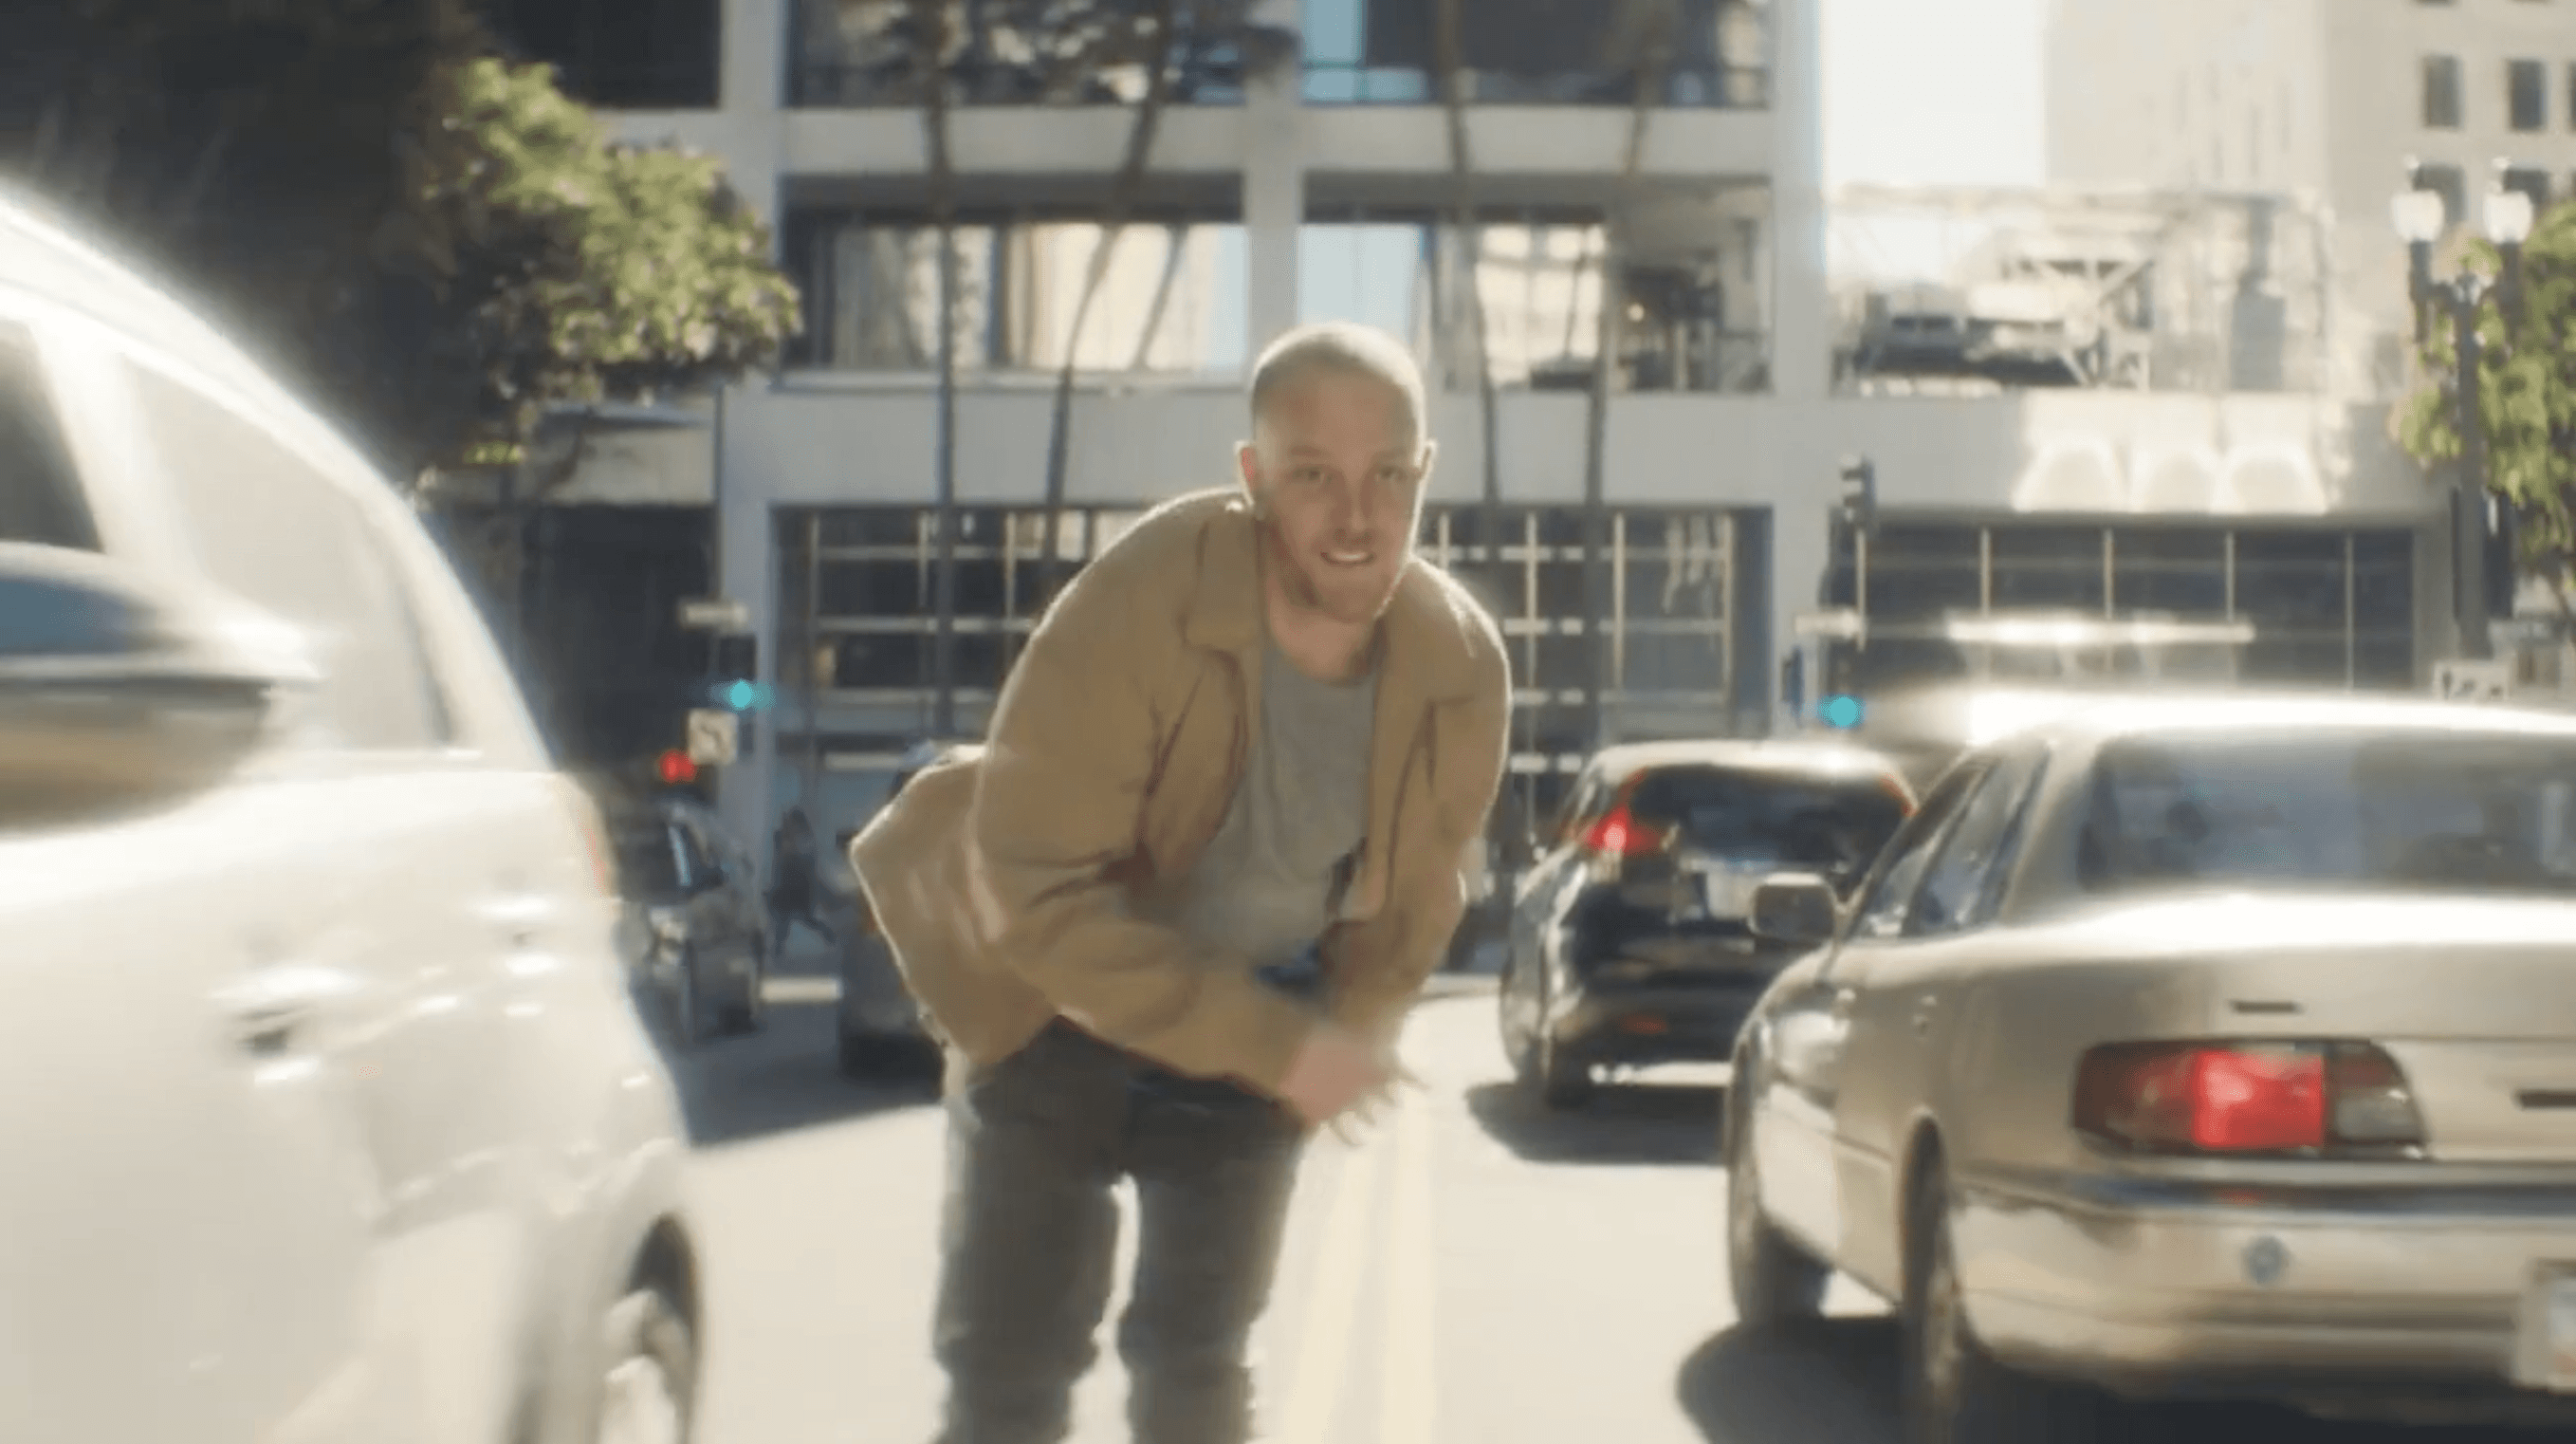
1427,641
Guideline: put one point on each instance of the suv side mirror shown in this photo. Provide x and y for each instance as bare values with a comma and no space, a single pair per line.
1796,908
114,697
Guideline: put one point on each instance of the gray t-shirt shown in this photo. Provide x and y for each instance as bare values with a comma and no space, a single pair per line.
1270,881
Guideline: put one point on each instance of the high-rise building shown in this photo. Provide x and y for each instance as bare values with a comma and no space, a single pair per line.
2345,101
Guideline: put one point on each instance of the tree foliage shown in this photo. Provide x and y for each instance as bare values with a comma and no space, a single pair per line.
575,270
2527,396
440,242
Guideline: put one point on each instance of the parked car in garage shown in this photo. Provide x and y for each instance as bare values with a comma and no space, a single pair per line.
327,1113
881,1030
1629,940
2205,1049
701,929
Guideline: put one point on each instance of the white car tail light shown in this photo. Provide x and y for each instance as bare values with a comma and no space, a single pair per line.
2247,1098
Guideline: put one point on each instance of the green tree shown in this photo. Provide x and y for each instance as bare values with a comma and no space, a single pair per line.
569,269
2526,402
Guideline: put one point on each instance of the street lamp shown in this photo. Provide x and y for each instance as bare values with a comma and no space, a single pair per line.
2420,216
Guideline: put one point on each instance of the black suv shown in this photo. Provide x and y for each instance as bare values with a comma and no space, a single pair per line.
1629,941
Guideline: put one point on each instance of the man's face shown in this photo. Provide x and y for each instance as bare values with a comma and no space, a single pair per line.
1338,467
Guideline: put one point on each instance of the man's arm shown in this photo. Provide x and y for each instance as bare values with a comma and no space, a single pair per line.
1057,808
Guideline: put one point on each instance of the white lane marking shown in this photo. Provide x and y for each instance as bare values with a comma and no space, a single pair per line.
1324,1339
1408,1389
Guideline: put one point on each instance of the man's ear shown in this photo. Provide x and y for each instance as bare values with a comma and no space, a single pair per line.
1430,457
1247,464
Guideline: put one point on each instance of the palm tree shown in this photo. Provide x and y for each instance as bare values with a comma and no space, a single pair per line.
1487,534
930,66
1153,47
1660,23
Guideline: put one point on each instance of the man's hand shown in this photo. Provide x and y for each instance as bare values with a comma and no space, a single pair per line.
1334,1070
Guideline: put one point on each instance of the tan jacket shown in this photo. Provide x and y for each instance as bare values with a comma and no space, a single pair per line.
1003,882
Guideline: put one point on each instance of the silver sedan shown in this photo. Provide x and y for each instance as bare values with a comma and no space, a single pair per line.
2224,1049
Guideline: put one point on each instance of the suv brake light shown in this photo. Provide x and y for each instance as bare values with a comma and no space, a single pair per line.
2246,1098
1619,834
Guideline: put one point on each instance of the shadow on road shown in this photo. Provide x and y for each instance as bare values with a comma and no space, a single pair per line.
1831,1384
1646,1123
785,1078
1835,1383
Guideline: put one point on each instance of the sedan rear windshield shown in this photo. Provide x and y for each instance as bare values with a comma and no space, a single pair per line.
1781,820
2465,812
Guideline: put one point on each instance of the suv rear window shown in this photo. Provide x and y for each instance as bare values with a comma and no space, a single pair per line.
1830,824
647,866
40,499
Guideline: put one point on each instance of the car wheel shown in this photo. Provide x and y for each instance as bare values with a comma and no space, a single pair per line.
1775,1282
648,1394
747,1014
1519,1039
1563,1083
1955,1392
688,1008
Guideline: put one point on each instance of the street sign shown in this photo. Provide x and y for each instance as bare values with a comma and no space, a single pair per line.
2464,680
715,614
714,736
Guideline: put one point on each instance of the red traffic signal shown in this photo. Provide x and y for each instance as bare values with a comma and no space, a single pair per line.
675,768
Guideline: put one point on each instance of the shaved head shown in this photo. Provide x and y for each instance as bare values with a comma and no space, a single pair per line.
1339,348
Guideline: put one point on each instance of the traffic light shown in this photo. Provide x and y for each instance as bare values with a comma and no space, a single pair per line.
1857,494
2502,556
735,664
1840,711
674,769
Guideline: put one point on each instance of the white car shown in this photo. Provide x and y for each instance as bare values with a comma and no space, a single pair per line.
325,1111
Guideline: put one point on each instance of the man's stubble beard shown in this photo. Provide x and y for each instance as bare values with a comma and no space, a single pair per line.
1298,585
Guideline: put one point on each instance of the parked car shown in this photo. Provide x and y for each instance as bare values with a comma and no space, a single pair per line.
2220,1049
701,932
882,1031
1629,942
327,1114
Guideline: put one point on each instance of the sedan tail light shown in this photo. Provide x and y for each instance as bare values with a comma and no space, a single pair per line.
2246,1098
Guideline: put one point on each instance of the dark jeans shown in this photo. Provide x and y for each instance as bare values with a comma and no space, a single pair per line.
1036,1147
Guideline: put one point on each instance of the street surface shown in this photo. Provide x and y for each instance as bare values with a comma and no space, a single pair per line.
1474,1272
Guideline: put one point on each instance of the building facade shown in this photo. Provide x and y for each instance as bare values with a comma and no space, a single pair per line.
2343,101
1305,172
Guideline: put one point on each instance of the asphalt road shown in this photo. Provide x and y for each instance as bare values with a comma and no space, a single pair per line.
1474,1272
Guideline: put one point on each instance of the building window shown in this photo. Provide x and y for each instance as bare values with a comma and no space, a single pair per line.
1716,53
2328,608
2442,107
2531,182
1172,301
1688,327
857,626
2526,84
859,53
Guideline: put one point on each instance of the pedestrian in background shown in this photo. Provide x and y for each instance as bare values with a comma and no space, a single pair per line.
1172,919
792,862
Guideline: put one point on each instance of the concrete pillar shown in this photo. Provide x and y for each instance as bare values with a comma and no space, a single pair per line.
1274,182
752,66
746,567
1801,324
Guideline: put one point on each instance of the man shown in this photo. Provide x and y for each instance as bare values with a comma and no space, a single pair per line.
1255,729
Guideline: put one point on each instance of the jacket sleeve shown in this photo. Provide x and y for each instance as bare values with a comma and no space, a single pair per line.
1373,998
1057,811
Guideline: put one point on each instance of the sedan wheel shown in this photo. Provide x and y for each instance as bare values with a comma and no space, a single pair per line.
1954,1392
748,1013
648,1393
1774,1282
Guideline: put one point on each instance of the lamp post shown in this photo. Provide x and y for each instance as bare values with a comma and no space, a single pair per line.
2420,216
